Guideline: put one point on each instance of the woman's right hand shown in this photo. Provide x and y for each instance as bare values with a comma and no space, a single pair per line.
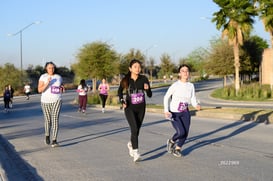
124,105
168,115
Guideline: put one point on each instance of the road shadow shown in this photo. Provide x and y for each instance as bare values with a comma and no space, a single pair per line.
264,118
154,156
242,127
92,136
15,168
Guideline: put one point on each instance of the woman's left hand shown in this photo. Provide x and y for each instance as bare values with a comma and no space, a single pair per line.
146,86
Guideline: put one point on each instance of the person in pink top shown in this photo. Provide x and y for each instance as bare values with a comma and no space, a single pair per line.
103,91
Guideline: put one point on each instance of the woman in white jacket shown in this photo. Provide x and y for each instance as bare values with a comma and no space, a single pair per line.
176,101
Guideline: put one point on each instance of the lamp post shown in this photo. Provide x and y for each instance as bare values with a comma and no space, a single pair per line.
21,41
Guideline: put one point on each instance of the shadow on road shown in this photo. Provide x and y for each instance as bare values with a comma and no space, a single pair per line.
201,142
15,167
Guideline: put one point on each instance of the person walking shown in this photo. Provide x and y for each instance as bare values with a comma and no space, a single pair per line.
27,90
51,87
6,98
103,92
176,101
82,91
11,95
134,104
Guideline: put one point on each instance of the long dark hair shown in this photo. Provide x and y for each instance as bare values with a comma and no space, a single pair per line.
82,83
55,67
125,81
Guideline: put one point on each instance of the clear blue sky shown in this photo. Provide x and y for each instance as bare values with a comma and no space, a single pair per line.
152,26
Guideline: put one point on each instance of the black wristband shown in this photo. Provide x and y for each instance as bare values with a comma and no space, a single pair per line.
122,101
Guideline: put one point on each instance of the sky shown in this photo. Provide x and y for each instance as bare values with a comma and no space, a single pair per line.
154,27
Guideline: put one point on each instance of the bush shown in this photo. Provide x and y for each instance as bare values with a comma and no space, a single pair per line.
251,92
112,99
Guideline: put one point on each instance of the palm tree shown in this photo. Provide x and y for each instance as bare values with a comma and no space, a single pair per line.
265,9
235,18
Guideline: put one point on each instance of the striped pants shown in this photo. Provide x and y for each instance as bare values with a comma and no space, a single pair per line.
51,113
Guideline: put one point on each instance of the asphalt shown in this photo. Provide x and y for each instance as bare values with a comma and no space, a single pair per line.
8,155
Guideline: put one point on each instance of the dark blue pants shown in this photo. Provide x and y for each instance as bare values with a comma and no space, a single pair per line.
181,124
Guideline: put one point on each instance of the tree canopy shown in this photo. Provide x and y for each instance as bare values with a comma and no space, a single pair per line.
96,60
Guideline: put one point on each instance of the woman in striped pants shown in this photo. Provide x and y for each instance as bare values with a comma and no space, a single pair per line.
51,86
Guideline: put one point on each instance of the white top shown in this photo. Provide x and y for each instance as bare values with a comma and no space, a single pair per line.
179,92
82,91
27,88
53,92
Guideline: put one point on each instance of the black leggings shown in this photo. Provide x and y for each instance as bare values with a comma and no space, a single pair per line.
6,103
103,99
135,118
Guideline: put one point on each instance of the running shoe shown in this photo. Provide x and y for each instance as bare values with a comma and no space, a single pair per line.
54,144
136,155
170,146
129,145
47,140
177,153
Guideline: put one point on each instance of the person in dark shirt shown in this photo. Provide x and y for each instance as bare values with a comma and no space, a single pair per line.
135,86
11,95
6,96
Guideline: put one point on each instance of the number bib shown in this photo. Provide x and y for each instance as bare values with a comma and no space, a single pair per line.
182,107
55,90
137,98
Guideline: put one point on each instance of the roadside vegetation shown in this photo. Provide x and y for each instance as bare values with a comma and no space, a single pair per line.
247,92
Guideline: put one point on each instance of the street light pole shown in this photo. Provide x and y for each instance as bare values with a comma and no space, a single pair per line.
21,41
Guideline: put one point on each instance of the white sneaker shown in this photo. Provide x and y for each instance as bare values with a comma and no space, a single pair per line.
129,145
102,110
136,155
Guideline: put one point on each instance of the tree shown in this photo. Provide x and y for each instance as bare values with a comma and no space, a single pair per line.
235,18
96,60
10,75
251,55
265,9
125,60
167,66
220,59
196,60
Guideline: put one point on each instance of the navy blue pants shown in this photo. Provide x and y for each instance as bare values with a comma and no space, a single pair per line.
181,123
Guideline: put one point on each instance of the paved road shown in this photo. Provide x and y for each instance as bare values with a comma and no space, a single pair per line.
93,147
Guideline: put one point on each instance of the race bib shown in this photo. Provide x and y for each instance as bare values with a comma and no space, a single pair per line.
137,98
182,107
55,90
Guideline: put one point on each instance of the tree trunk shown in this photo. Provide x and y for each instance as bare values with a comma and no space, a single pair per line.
237,67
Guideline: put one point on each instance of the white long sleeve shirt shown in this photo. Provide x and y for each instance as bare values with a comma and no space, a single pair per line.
179,92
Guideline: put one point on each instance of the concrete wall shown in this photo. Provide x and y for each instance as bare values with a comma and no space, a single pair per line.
267,67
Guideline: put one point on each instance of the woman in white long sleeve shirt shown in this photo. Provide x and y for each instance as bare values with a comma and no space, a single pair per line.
176,101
